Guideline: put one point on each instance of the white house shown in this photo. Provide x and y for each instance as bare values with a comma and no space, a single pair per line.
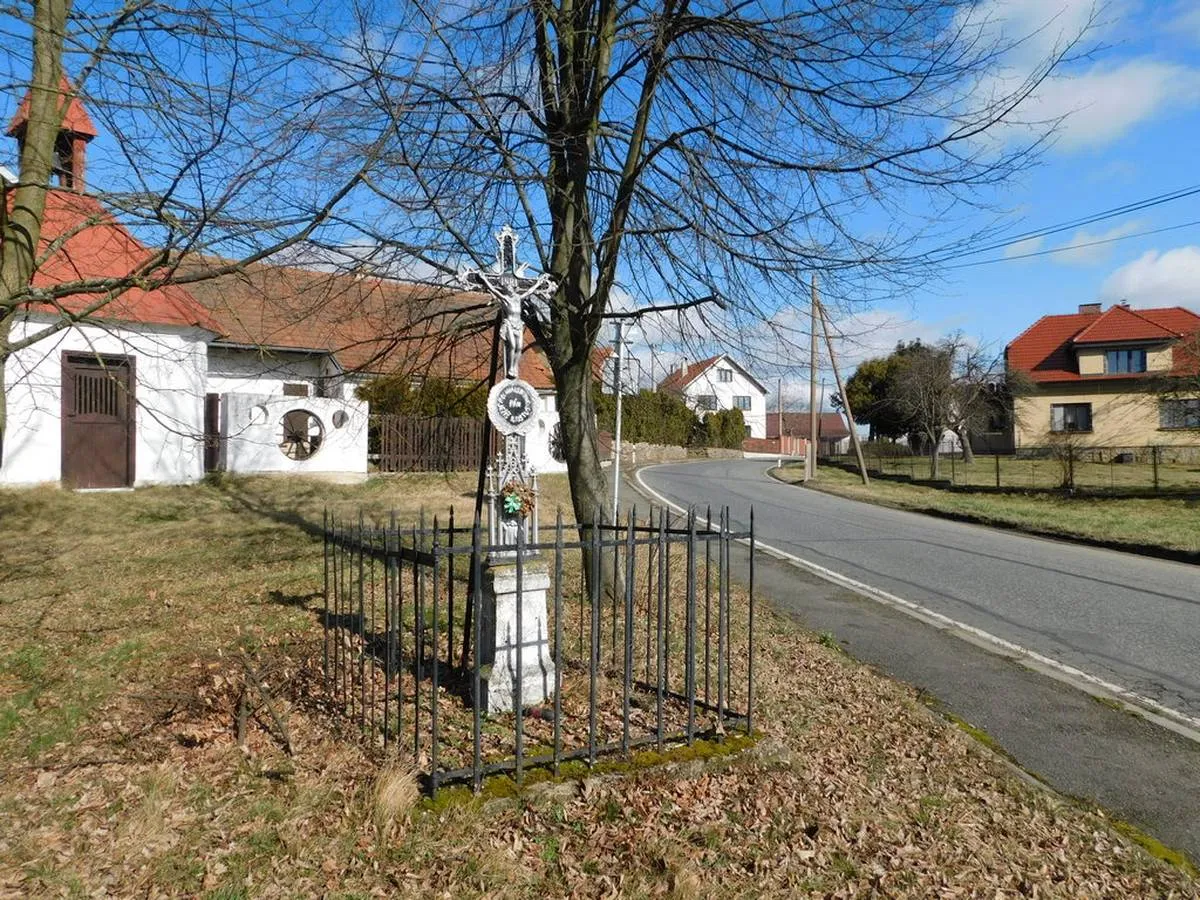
252,371
720,382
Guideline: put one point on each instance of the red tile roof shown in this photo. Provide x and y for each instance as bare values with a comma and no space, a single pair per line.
1119,324
1046,350
75,119
830,425
97,248
369,325
681,378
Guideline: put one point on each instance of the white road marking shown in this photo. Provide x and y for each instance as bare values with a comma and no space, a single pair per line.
1171,719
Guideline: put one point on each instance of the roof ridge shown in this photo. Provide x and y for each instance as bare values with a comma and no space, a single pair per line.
1116,311
1151,321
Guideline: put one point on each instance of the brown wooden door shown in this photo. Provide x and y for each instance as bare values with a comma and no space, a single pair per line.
212,432
97,421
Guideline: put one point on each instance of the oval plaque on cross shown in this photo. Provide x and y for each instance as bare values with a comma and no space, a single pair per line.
513,406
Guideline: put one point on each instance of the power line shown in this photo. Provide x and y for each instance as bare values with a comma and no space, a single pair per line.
1125,209
1067,248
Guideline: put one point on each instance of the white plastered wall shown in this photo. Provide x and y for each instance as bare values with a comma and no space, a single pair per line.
537,443
252,431
264,373
709,383
170,369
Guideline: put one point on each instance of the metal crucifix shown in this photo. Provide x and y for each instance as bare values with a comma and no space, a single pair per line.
507,283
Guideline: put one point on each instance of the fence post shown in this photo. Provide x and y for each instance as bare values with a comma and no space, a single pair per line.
750,641
477,621
953,474
997,459
1154,465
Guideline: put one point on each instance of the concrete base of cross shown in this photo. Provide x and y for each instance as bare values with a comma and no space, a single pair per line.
500,641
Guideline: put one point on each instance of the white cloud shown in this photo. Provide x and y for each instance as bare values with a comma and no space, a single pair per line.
1096,104
1020,248
876,332
1076,251
1103,103
1186,21
1157,279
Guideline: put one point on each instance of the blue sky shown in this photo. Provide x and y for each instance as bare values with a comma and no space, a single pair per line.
1132,131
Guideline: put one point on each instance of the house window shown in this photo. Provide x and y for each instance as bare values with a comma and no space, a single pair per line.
748,431
1071,417
1123,362
1179,414
706,401
725,375
295,389
741,402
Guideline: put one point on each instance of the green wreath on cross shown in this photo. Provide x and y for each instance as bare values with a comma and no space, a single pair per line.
517,499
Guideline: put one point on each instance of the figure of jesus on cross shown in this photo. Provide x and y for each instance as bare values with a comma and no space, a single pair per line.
507,283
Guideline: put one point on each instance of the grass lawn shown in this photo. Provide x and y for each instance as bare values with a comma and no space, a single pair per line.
1045,473
121,620
1137,522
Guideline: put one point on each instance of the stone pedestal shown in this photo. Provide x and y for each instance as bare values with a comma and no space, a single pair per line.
500,639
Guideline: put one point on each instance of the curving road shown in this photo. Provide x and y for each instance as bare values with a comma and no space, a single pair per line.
1128,620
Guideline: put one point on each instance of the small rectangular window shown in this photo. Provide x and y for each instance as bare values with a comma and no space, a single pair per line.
706,401
1123,362
1070,417
724,375
295,389
1179,413
741,402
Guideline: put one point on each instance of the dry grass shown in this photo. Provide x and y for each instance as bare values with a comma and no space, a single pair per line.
120,621
396,793
1169,523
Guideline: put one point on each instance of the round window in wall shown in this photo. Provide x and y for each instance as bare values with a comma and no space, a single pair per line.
302,433
557,450
340,419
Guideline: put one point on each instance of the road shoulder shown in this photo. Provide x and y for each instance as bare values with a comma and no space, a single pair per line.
1079,745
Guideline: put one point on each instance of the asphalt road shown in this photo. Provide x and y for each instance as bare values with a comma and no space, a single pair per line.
1128,620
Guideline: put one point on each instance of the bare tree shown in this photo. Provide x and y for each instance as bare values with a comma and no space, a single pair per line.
681,149
949,386
205,148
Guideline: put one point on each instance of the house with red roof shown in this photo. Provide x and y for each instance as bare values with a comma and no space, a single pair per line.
717,383
253,370
832,431
111,399
1103,377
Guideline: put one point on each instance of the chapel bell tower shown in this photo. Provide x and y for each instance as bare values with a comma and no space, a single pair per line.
70,149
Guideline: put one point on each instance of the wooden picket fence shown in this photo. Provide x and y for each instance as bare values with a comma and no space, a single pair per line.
417,444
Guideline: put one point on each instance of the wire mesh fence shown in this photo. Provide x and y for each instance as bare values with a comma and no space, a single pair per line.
1115,471
650,641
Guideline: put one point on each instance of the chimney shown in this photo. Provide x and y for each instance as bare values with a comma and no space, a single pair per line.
1090,309
683,366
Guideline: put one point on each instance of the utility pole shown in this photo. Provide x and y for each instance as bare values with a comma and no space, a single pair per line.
619,344
810,454
779,429
862,465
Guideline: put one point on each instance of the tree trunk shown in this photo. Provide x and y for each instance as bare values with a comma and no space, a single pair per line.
968,454
590,497
578,413
934,459
21,220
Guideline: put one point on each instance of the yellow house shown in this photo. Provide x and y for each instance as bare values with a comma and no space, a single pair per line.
1097,376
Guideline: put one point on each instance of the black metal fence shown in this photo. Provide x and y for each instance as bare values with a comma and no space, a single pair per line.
654,645
1112,471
